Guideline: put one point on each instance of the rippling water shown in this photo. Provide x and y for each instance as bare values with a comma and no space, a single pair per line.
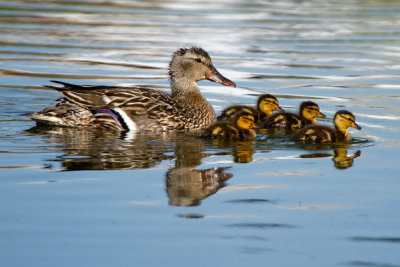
72,197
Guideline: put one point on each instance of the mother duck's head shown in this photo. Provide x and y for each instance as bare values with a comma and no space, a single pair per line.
192,65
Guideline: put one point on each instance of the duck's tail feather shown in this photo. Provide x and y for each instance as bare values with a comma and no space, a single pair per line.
67,86
88,96
74,87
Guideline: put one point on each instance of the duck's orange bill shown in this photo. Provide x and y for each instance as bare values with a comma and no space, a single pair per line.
321,115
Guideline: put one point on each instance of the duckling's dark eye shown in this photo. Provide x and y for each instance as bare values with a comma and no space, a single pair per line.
347,118
198,60
270,101
248,119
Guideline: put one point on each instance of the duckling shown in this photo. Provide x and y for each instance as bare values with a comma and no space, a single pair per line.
266,104
308,111
323,134
135,108
240,128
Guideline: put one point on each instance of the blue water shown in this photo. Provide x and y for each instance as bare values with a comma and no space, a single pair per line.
71,197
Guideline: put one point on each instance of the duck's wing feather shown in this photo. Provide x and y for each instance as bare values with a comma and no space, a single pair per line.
142,107
99,97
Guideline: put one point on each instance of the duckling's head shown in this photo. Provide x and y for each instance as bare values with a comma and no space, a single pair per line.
190,65
267,104
344,119
310,111
245,121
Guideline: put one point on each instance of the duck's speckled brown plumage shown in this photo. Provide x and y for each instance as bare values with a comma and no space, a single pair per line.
142,108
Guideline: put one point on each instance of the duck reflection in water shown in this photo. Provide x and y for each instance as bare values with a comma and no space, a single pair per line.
340,157
186,186
85,149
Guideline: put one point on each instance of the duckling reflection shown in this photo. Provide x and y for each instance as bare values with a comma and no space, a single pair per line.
242,151
340,158
186,186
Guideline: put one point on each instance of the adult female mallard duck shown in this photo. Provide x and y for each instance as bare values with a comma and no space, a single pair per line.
266,104
343,119
133,108
308,111
240,128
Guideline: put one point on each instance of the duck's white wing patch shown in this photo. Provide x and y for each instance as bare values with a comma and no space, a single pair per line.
130,124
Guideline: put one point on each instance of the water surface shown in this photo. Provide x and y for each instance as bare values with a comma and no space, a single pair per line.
83,198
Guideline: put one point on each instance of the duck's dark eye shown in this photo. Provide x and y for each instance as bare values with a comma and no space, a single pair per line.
198,60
